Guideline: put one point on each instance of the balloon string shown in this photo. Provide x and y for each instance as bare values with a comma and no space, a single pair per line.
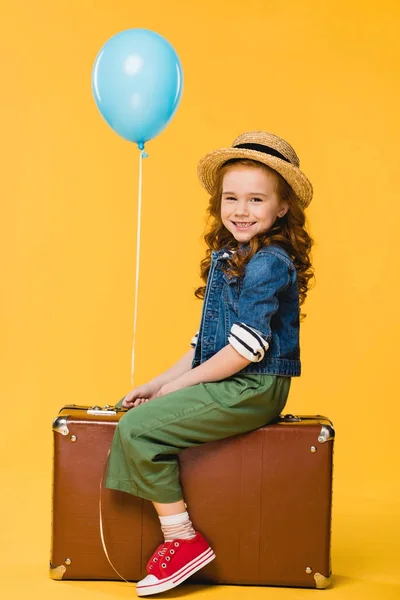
142,155
101,524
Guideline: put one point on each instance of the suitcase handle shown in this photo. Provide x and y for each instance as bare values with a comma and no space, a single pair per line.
96,410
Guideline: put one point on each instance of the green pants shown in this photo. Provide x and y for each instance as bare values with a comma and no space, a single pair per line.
143,459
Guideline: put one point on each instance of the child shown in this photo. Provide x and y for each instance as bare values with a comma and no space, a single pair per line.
237,375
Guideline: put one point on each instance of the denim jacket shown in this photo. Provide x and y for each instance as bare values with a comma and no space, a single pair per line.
257,313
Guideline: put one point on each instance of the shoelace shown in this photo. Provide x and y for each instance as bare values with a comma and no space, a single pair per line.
161,551
159,554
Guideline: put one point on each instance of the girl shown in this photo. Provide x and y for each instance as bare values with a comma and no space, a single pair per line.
237,375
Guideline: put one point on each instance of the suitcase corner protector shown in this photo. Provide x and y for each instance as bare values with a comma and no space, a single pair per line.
327,434
60,425
322,582
57,572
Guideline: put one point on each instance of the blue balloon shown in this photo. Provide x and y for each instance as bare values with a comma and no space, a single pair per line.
137,84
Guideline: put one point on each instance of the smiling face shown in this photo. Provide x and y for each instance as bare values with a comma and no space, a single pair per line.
249,202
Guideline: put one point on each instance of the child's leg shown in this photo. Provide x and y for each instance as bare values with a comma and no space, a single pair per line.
172,508
143,460
175,521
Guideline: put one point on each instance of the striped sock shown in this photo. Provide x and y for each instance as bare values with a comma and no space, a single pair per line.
177,527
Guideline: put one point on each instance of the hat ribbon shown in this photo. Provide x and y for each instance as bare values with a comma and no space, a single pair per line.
262,148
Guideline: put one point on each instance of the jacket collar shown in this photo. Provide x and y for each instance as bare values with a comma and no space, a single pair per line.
224,252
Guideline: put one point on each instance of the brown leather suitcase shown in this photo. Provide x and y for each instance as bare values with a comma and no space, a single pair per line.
263,500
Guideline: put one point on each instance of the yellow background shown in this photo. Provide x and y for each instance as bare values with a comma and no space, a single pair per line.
324,75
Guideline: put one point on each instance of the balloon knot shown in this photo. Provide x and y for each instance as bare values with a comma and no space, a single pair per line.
144,154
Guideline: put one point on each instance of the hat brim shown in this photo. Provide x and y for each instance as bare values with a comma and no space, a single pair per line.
210,163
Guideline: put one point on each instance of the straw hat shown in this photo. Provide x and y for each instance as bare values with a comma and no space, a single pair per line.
266,148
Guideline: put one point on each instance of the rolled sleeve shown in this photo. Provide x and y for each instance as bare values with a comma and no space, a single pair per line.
266,276
248,342
194,340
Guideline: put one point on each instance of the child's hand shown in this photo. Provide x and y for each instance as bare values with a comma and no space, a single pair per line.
168,388
140,394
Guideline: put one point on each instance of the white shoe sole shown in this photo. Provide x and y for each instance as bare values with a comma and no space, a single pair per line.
170,582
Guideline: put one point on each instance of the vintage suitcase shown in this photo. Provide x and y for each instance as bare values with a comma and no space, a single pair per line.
262,499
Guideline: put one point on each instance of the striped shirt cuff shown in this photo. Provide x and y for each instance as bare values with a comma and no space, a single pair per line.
194,340
248,342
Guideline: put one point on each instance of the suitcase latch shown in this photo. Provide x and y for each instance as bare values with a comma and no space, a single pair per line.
290,418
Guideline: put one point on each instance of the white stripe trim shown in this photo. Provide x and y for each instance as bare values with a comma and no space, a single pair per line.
248,345
184,572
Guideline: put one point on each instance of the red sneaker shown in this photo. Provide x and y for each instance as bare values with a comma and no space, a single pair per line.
173,562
